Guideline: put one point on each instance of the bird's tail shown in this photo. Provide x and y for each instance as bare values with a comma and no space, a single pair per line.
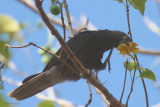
36,84
32,87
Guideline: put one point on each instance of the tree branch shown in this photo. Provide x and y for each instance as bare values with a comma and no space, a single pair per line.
103,97
58,57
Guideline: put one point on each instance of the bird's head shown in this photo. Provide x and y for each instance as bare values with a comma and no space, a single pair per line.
121,37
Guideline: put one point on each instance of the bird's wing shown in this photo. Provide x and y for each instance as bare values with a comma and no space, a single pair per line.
76,44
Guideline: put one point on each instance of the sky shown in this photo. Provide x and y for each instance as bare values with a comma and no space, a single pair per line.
104,14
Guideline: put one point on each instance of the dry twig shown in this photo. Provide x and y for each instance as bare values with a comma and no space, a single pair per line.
90,95
131,88
59,58
124,82
63,24
68,18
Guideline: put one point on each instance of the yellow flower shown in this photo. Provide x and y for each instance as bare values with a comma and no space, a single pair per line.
133,48
123,49
127,49
135,51
132,45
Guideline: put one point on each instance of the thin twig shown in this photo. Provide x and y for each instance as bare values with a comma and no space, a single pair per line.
124,82
68,18
76,62
129,27
63,24
144,86
131,88
90,95
131,76
59,58
24,46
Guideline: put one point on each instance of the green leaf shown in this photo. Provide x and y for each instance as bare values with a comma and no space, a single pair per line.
146,73
138,4
130,65
3,50
120,1
46,104
8,25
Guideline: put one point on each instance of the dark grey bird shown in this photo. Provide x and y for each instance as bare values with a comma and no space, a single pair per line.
88,47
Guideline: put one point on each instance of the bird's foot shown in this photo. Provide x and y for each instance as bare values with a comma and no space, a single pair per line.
88,75
96,74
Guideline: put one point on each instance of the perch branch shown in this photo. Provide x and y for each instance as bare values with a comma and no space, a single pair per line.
102,96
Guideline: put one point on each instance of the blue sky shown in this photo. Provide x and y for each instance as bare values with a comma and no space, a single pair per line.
104,14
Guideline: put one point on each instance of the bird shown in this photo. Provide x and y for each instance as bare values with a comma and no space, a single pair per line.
87,46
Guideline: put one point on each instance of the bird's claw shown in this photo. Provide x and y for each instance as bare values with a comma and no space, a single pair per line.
86,76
